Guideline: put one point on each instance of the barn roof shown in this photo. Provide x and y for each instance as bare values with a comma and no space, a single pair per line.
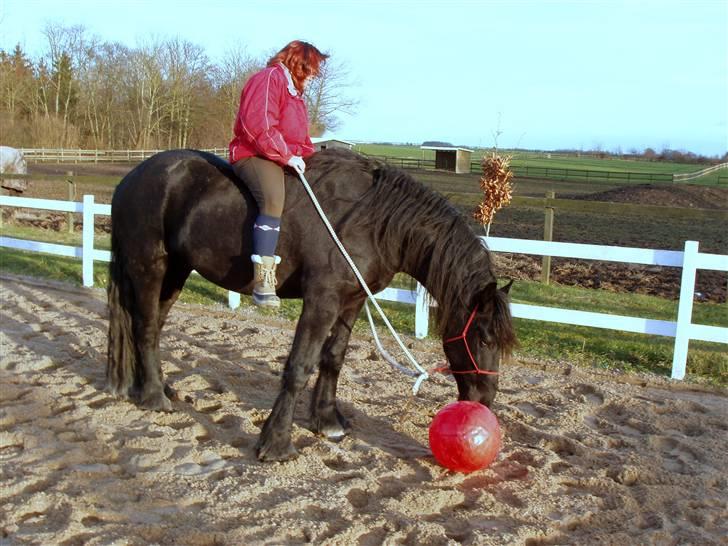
318,140
447,148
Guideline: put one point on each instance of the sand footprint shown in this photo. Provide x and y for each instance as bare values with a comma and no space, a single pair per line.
228,421
549,539
358,498
530,409
339,463
590,394
678,457
11,445
616,417
564,447
210,464
525,459
39,515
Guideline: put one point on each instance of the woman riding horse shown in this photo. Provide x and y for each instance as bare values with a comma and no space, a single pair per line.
271,131
185,210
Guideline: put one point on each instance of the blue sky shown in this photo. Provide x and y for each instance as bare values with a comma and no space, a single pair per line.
546,75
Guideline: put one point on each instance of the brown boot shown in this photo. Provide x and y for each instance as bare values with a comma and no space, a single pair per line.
264,291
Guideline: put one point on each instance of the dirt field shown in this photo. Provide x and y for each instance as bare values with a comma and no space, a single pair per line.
678,195
588,457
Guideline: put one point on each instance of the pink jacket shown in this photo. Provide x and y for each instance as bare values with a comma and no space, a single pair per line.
272,121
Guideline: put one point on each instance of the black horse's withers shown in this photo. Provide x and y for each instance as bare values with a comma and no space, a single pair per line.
185,210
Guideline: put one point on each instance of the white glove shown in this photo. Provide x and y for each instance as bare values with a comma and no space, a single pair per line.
297,163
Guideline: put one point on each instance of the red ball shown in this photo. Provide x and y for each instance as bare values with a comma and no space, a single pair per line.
465,436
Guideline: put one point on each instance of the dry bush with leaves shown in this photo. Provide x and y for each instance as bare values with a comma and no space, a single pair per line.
497,187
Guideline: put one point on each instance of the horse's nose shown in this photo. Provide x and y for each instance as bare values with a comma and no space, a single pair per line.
487,398
483,393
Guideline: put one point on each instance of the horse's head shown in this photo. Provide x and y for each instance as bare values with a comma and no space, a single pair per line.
475,345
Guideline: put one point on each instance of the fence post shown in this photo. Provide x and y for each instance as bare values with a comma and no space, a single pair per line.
87,253
71,197
422,312
684,310
548,235
233,299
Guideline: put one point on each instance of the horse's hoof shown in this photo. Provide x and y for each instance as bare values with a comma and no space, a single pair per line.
335,435
335,429
269,452
170,392
120,391
156,402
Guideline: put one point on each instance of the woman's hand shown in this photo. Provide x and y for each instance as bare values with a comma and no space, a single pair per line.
297,163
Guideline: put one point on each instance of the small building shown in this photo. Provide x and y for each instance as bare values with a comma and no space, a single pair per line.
327,143
451,158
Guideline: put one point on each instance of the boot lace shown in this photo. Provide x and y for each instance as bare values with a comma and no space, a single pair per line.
267,276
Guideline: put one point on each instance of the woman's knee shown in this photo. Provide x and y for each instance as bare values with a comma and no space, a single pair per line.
274,200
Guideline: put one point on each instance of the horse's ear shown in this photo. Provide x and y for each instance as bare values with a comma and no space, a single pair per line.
489,291
507,288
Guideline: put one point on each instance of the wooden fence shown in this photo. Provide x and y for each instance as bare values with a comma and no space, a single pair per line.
683,330
551,173
557,173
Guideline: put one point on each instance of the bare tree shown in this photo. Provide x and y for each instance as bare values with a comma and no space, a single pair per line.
144,86
228,79
187,69
69,55
104,116
84,92
326,98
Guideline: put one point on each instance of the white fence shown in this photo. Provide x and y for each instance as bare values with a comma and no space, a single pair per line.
73,155
684,177
61,155
683,330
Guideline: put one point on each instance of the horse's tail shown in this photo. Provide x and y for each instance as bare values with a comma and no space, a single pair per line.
122,373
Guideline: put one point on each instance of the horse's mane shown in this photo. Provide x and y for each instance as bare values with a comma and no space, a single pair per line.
421,231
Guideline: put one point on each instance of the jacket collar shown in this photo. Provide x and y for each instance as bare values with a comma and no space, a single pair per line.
291,88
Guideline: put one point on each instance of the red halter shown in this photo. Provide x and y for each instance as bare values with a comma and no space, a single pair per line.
447,369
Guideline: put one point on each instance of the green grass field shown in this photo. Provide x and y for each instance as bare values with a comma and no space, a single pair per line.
532,159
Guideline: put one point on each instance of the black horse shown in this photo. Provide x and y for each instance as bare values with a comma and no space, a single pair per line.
185,210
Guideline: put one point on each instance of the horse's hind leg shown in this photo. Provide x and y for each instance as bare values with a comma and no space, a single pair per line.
174,281
326,419
146,324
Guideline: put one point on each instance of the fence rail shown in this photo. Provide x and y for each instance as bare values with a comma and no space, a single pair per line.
104,156
585,174
559,173
62,155
683,330
683,177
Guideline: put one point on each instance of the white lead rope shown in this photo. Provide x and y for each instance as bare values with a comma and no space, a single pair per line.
390,360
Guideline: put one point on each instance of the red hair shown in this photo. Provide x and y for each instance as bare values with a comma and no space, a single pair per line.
302,60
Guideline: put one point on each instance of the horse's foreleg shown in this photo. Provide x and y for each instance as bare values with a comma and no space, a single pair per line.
326,419
318,317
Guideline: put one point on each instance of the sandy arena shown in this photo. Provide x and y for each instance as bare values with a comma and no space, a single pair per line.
589,457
